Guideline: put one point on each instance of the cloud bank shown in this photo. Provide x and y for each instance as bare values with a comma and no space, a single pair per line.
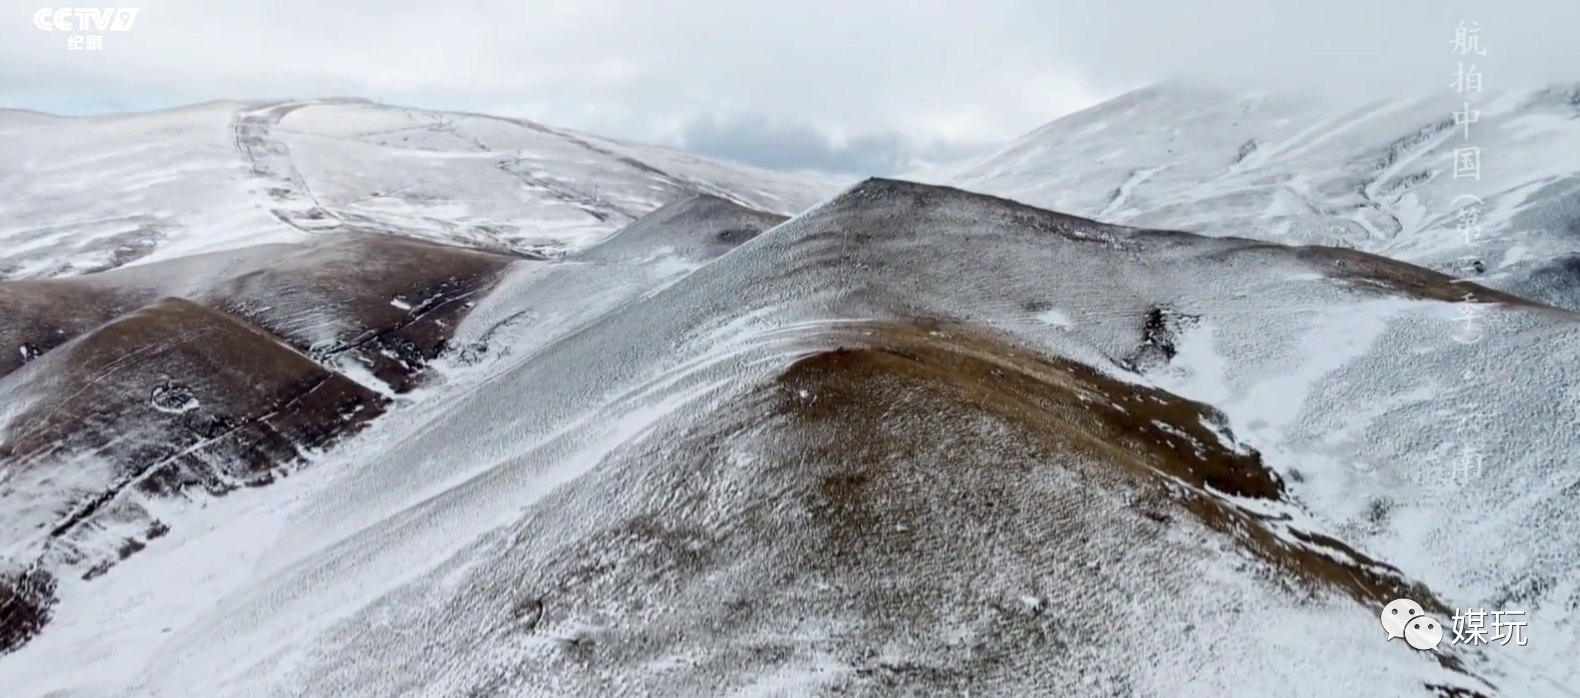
871,85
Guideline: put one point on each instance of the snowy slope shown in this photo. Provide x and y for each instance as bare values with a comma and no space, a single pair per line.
198,376
91,193
1373,176
848,457
226,369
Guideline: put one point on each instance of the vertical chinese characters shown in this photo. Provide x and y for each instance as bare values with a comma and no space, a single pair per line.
1466,42
1466,461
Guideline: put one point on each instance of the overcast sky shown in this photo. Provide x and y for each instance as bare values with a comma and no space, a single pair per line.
861,86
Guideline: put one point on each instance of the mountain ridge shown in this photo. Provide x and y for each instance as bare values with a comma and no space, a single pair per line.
233,174
1375,176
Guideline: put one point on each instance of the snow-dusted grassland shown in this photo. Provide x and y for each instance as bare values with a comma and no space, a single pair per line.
778,437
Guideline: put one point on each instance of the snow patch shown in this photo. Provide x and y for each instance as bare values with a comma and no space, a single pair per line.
1055,318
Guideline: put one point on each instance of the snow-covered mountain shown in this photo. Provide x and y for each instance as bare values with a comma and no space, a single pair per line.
1378,176
912,441
84,194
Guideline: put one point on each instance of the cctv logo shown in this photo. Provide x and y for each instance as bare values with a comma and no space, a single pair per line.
115,19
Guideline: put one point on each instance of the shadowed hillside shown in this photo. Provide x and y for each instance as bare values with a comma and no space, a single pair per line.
386,303
205,374
41,315
173,379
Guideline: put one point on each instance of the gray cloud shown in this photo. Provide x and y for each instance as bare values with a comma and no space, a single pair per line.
926,75
758,140
1346,48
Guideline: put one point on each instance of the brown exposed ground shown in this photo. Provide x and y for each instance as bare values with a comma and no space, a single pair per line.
887,504
141,395
1172,445
390,303
176,394
37,316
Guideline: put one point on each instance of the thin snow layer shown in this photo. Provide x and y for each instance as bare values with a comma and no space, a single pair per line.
611,507
208,373
173,395
1448,457
1378,177
209,552
695,230
86,194
82,195
337,294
